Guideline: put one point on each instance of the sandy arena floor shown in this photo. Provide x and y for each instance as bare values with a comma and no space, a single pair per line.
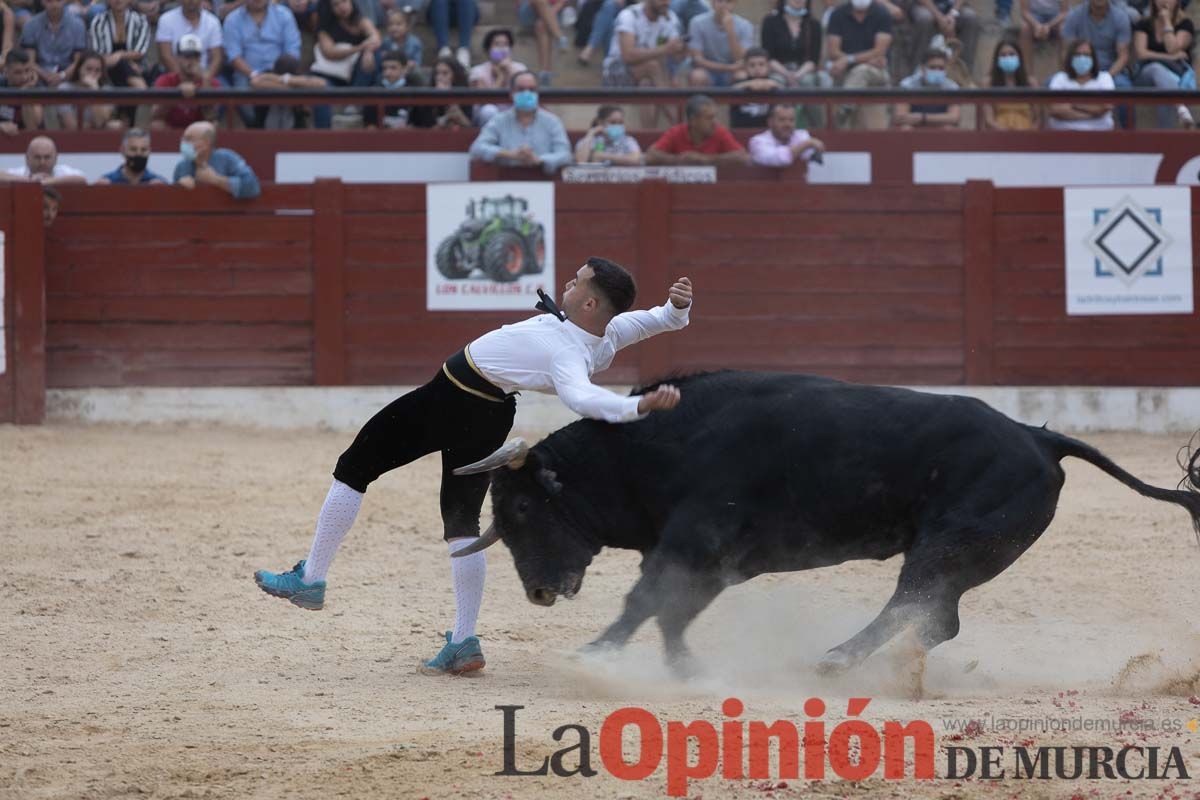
141,660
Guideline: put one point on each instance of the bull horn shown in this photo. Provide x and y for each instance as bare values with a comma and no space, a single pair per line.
511,454
489,538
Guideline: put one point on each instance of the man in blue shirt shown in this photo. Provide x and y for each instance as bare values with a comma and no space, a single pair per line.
135,148
524,135
204,163
57,37
256,35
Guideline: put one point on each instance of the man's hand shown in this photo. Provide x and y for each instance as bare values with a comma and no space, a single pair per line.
9,128
187,182
664,398
681,293
206,174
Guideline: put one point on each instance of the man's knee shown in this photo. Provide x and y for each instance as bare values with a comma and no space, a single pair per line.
353,471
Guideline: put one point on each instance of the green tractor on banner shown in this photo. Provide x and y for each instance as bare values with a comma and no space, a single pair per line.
499,237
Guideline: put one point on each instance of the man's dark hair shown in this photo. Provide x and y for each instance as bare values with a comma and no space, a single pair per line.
512,82
393,54
16,56
52,193
697,103
613,283
287,65
491,35
755,52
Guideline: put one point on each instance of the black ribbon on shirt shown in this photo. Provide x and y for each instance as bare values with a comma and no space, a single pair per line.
546,303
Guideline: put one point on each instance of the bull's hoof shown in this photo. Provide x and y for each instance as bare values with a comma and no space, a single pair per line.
834,663
684,666
598,649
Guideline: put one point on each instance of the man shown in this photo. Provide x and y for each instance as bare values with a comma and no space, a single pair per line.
524,135
758,79
204,163
188,75
1106,26
55,39
931,75
782,145
41,166
718,40
858,38
19,73
135,149
699,141
287,73
256,35
51,202
954,19
466,412
647,46
190,18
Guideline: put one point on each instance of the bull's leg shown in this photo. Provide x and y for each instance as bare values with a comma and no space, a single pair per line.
683,595
640,604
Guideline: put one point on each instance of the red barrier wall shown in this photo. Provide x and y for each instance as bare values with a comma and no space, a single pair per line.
325,284
22,383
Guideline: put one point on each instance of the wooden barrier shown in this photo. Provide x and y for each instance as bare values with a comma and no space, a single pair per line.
324,284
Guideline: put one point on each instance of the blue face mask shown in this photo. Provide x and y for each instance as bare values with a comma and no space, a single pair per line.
396,84
615,132
795,12
187,151
1008,64
525,100
1081,64
935,77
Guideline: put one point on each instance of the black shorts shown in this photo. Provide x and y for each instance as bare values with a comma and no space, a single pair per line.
464,417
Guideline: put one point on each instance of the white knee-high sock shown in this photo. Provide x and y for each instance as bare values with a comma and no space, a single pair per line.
337,515
468,574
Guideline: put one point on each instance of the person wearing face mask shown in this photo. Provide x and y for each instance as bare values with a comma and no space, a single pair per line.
1008,72
397,72
135,149
858,40
931,75
497,71
792,39
1081,71
204,163
524,135
606,142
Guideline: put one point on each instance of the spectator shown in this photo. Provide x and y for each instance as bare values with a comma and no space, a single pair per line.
859,35
718,41
286,73
524,135
122,36
646,49
1106,26
687,10
187,76
606,142
149,9
346,45
22,12
51,203
792,38
758,79
1008,72
951,18
41,166
600,37
400,35
190,18
19,73
89,73
1041,21
464,13
1162,45
256,35
542,17
931,75
57,39
1082,71
783,144
448,73
135,149
204,163
305,14
397,72
699,140
496,72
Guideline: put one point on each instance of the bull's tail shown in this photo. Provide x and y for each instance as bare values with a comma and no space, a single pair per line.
1187,494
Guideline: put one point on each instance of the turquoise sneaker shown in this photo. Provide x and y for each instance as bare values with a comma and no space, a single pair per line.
291,586
456,658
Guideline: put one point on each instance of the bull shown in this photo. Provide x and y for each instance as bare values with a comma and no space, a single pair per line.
756,473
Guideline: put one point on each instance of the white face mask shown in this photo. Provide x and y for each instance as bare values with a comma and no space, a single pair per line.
860,5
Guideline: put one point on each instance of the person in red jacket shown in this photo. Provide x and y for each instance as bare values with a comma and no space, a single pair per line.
699,140
189,77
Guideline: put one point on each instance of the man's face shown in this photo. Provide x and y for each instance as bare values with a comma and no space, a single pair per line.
136,146
936,65
119,5
1098,7
18,75
41,157
199,141
49,210
758,67
393,70
782,123
189,65
149,9
257,6
577,291
660,7
54,8
705,121
191,6
525,83
722,7
397,28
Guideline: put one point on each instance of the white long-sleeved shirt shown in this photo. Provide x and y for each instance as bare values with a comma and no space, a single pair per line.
768,151
544,354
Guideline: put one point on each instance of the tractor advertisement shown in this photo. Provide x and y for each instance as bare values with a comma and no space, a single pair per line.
490,245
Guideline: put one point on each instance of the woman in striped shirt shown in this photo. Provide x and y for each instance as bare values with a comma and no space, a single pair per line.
122,36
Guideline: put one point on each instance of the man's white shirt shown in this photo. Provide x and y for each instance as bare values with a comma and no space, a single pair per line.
544,354
60,171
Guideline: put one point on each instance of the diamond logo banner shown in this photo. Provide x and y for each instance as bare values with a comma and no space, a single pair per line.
1128,250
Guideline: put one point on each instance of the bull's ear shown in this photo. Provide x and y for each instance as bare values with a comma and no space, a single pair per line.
549,480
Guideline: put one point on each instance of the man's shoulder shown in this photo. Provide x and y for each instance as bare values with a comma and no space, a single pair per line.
116,176
168,80
549,118
911,82
742,22
765,136
66,170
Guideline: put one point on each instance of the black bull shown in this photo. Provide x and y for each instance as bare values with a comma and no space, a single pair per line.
758,472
